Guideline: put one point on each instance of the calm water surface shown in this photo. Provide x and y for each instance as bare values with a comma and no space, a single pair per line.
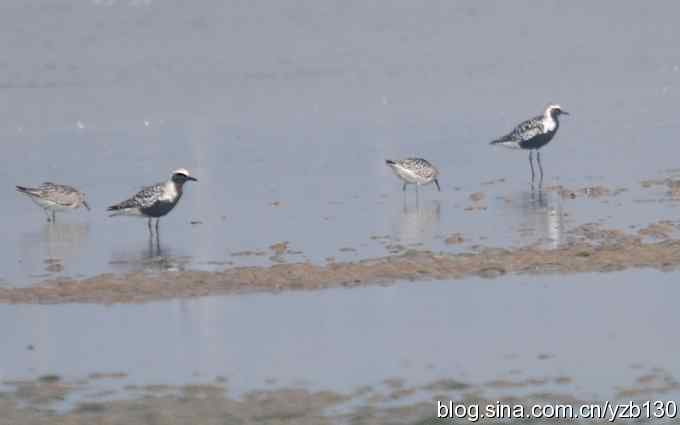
299,103
603,331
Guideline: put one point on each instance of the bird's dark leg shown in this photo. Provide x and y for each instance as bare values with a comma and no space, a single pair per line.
150,245
531,164
540,167
158,241
403,187
149,224
417,196
157,220
54,216
49,216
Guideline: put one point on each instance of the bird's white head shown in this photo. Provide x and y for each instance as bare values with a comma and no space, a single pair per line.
181,176
554,110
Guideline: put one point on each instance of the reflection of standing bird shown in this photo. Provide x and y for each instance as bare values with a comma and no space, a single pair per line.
55,197
419,224
416,171
156,200
533,134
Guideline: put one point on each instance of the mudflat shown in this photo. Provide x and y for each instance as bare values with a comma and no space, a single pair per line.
592,249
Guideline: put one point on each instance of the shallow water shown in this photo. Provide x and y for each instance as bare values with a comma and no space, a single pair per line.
298,104
600,331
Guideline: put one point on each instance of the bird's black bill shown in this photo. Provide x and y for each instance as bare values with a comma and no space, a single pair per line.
436,183
565,113
193,179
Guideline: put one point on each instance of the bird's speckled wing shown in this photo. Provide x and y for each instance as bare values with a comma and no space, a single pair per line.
60,194
528,129
145,198
419,166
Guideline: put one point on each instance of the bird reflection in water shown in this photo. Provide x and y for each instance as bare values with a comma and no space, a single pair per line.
154,245
154,257
62,241
417,223
158,258
541,216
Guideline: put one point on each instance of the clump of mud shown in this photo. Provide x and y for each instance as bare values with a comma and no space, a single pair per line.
657,381
454,239
672,185
661,230
478,203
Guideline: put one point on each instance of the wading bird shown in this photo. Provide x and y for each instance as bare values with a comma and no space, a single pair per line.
417,171
55,197
156,200
533,134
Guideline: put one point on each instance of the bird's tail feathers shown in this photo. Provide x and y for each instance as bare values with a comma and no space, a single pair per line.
26,190
504,139
389,162
117,210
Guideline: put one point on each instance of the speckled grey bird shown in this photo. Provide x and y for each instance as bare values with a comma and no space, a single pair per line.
156,200
416,171
55,197
533,134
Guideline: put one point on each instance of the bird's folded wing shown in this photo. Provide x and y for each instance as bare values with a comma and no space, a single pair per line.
58,193
529,129
144,198
415,163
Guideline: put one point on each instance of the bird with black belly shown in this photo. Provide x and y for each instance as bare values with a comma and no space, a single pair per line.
156,200
533,134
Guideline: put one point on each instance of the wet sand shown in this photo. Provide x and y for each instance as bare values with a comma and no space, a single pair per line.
591,248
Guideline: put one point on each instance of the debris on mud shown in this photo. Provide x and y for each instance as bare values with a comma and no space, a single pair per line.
673,186
33,402
454,239
661,230
591,192
589,248
279,248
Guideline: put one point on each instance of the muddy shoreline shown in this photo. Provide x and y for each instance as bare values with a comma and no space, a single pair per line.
591,249
391,401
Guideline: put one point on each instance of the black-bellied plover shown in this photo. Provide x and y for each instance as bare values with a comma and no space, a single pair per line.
156,200
533,134
416,171
55,197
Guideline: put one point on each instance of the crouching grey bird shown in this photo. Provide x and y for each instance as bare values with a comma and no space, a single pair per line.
54,197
